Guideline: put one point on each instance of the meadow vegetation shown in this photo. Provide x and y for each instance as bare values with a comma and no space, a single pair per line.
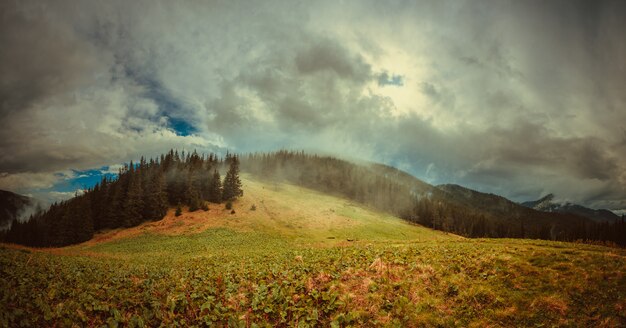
303,258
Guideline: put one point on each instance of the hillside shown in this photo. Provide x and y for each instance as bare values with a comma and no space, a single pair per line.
11,205
450,208
143,191
503,210
288,212
305,258
547,204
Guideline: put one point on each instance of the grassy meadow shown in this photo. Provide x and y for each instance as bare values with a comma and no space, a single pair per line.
289,256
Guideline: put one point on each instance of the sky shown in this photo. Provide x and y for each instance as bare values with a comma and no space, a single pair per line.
518,98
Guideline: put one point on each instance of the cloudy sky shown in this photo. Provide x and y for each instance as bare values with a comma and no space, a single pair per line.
519,98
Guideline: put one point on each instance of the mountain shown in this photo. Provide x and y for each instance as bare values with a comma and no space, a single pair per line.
547,204
450,208
285,255
11,206
520,221
493,204
287,212
540,204
415,185
143,192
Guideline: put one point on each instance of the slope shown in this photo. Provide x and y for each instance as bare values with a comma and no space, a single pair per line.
450,208
11,205
276,266
282,211
547,204
499,209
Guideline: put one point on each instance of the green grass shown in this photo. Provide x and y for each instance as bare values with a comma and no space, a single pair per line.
280,268
228,278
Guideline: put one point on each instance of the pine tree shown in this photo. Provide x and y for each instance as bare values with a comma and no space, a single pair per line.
155,207
133,204
84,219
232,184
215,188
138,193
179,210
112,209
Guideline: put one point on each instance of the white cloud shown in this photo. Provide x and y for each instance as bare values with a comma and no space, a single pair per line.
514,97
21,182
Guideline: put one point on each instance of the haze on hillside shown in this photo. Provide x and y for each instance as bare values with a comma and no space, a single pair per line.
279,163
517,98
285,255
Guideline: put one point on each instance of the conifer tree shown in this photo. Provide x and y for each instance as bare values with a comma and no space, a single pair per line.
232,184
84,219
110,218
215,188
179,210
133,205
193,196
156,197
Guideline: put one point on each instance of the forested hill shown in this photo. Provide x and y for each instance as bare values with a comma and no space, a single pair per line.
11,205
142,192
449,208
379,186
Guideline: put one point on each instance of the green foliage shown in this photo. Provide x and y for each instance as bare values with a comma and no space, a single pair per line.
232,183
215,188
195,204
393,191
142,192
226,278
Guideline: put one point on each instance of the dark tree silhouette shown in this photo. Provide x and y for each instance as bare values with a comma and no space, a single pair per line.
215,188
142,192
232,183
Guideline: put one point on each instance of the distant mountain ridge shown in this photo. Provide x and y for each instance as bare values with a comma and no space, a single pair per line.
449,207
547,204
11,205
506,211
495,204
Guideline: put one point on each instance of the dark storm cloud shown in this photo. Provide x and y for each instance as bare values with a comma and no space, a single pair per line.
532,145
66,100
327,55
39,58
521,98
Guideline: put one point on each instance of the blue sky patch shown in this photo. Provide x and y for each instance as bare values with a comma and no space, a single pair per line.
79,180
393,80
168,104
181,127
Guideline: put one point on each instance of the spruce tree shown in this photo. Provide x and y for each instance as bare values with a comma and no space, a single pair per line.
215,188
179,210
232,184
133,204
138,193
84,218
156,197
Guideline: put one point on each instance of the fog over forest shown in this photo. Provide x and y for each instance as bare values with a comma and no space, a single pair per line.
518,98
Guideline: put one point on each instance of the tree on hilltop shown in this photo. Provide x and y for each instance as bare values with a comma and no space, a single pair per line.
215,188
232,184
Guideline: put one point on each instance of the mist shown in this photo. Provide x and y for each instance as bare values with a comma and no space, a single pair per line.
515,98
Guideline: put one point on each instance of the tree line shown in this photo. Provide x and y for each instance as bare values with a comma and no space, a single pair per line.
388,189
141,192
437,213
